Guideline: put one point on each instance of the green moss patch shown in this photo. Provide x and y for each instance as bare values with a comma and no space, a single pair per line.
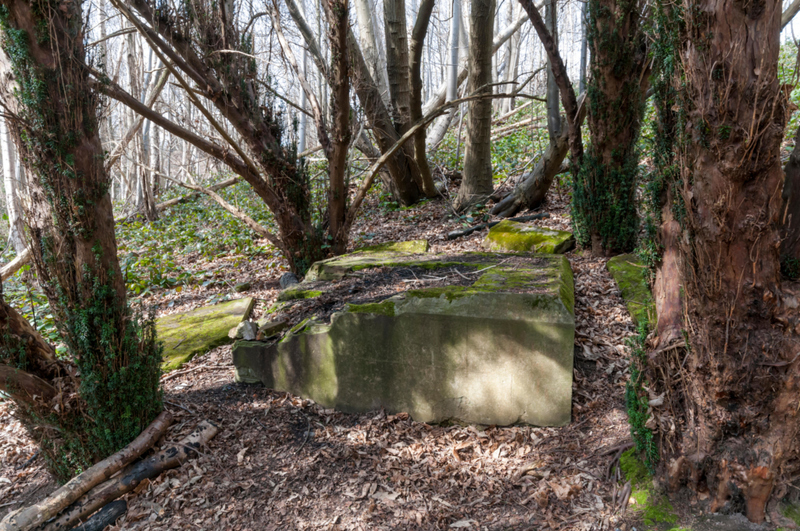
655,508
381,308
792,511
186,334
412,246
631,277
514,236
292,294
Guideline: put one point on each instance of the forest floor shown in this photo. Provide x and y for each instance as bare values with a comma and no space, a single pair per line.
282,462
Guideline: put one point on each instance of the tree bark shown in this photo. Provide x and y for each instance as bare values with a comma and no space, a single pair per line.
734,393
604,192
476,185
55,127
790,210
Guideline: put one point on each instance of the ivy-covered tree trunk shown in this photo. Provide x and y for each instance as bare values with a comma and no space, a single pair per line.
604,193
72,240
729,423
790,214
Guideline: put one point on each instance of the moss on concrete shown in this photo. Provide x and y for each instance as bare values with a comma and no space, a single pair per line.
292,294
411,246
514,236
186,334
631,277
381,308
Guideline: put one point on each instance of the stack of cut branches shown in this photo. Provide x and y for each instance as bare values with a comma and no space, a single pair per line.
87,501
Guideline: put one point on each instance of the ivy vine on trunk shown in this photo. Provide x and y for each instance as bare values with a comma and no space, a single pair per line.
109,390
604,209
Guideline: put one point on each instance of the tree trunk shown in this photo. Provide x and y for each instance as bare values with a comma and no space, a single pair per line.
553,103
790,213
477,184
604,191
369,45
417,43
337,14
16,231
729,423
397,62
55,127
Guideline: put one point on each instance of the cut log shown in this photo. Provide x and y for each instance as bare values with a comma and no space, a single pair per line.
39,513
104,517
149,468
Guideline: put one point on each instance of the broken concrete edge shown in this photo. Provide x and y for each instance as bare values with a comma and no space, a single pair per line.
515,236
630,275
207,331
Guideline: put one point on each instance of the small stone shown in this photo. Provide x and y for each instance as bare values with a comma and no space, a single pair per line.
268,329
242,287
288,279
245,330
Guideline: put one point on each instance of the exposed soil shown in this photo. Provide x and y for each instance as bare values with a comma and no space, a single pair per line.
282,462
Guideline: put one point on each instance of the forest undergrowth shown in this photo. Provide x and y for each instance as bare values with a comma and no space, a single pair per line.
282,462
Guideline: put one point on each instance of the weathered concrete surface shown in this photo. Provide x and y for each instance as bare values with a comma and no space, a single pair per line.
515,236
497,352
630,274
190,333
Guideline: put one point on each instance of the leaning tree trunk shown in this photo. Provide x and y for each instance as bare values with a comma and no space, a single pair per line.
604,192
729,422
54,123
477,184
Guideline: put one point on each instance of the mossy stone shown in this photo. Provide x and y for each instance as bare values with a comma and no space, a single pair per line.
515,236
186,334
631,276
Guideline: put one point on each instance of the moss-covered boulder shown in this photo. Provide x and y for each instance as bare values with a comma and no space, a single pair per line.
498,351
190,333
514,236
631,277
335,268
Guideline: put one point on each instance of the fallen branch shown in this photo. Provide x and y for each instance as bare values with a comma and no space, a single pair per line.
466,232
171,457
234,211
36,514
104,517
14,265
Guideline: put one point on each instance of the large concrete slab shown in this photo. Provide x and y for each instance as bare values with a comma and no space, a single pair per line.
189,333
496,352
